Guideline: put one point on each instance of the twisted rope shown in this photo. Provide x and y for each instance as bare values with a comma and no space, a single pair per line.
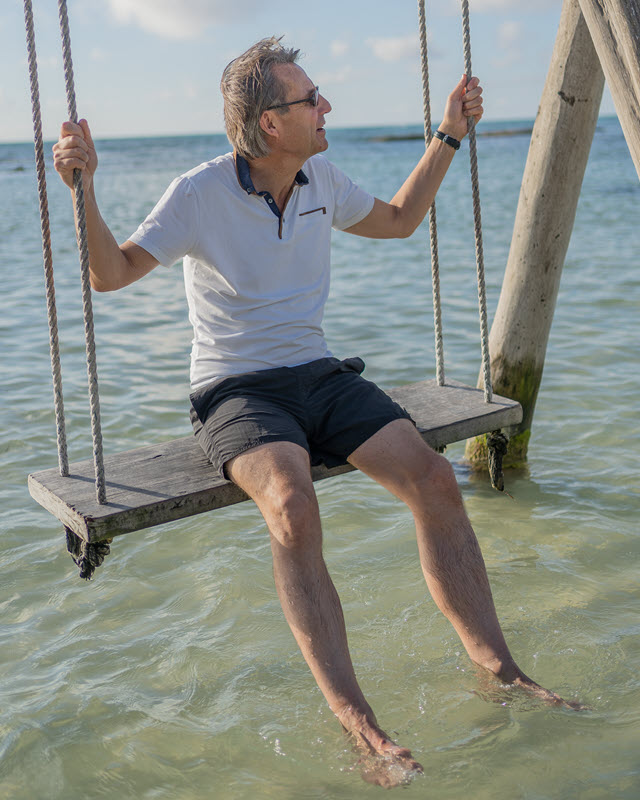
86,556
497,442
475,185
433,229
83,247
497,445
52,316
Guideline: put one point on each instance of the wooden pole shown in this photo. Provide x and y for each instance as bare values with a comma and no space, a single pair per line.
551,184
614,26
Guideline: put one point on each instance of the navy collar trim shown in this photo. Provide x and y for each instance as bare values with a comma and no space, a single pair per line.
244,175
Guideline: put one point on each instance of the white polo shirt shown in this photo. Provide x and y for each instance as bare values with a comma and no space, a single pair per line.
256,281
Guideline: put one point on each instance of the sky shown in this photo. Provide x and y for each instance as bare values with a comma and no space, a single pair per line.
152,67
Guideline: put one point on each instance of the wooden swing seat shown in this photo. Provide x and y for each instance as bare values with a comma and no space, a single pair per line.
172,480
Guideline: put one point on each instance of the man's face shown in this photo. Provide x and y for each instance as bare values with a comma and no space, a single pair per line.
301,128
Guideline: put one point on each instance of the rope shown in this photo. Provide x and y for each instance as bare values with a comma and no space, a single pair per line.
54,346
433,229
83,247
475,185
497,444
86,556
496,441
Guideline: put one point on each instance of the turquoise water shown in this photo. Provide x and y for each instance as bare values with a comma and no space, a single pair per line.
173,673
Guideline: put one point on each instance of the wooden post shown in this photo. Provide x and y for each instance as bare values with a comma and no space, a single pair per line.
551,184
614,26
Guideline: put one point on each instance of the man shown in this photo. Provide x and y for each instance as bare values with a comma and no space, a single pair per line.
267,397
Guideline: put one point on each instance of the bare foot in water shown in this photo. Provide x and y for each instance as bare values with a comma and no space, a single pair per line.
383,762
514,678
535,690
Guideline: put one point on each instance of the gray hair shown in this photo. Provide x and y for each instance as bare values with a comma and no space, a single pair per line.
249,86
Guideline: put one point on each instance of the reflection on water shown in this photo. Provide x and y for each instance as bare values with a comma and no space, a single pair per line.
173,674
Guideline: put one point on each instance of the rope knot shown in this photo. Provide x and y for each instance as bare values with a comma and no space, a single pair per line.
497,443
86,555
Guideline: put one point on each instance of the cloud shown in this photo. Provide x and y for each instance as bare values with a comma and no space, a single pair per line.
48,62
509,48
394,48
171,20
509,34
336,77
489,6
497,5
339,48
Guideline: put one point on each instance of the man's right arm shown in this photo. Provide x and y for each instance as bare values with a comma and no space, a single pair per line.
111,266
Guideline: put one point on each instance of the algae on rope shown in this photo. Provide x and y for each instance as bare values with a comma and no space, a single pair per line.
515,458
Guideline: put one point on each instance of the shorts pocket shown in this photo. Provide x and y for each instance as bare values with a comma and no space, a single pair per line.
202,400
353,364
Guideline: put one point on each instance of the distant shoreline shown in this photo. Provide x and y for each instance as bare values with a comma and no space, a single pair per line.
520,128
406,137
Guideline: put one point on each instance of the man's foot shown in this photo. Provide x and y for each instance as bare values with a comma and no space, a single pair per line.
388,772
383,762
513,678
546,695
387,766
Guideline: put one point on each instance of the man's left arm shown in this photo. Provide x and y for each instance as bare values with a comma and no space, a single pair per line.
399,218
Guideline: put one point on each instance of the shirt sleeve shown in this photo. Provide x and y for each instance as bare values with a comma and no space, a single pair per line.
352,204
168,232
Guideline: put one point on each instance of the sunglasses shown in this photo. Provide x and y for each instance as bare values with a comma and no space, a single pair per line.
312,100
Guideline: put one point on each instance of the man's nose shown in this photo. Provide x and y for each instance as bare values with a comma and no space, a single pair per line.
324,105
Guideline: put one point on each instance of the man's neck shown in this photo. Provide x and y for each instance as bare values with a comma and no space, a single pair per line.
275,175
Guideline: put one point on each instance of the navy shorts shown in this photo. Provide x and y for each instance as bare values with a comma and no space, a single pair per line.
324,406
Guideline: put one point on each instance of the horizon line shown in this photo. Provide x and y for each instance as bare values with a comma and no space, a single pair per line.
194,134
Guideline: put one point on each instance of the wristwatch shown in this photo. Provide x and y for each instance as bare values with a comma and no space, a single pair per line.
444,137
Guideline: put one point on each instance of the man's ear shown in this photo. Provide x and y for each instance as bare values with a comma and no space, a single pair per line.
268,124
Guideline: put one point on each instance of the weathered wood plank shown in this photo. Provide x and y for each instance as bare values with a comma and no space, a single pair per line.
614,26
172,480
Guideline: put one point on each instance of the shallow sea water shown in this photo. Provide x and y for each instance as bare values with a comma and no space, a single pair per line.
173,673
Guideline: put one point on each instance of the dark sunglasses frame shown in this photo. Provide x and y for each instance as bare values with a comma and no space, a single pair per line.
313,101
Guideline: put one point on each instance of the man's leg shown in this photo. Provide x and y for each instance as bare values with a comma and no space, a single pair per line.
398,459
277,477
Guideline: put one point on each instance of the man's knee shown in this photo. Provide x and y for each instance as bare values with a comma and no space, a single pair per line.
293,517
277,477
433,479
441,474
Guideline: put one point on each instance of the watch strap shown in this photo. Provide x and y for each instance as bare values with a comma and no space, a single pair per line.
444,137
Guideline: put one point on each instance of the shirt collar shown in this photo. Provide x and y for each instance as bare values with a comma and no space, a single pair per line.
244,175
